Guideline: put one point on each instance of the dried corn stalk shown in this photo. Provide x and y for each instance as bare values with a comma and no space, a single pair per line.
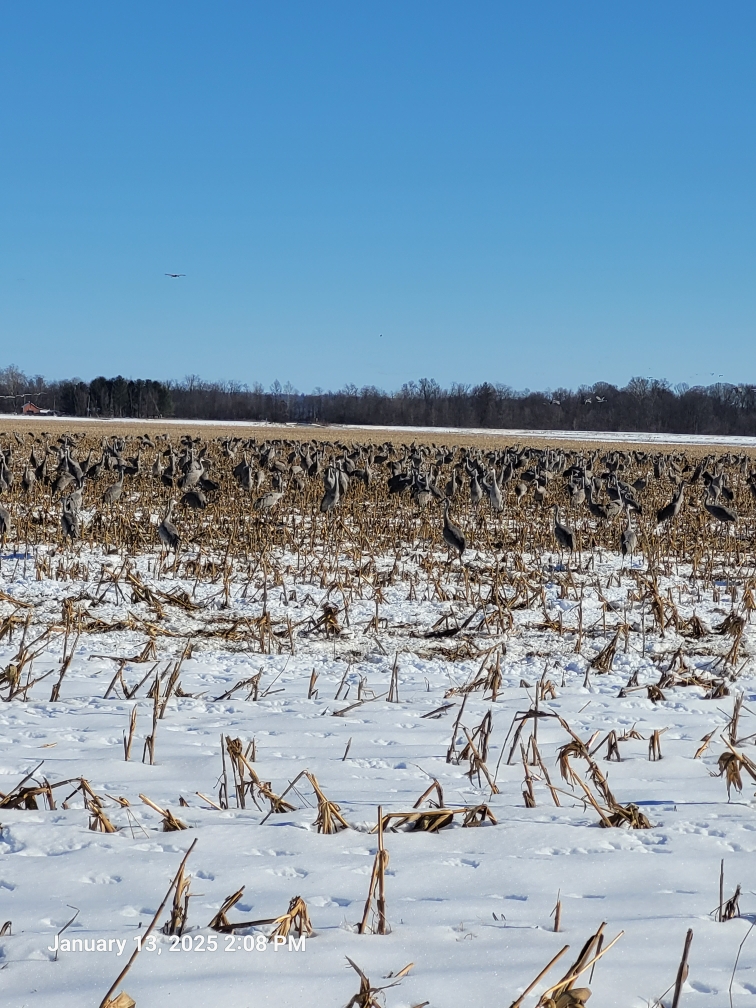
170,822
329,818
296,920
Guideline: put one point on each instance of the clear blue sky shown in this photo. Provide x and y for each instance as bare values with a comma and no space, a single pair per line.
533,193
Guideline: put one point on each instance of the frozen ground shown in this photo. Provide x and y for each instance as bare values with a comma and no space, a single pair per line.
471,908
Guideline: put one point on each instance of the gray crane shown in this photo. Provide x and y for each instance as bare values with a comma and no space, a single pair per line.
167,532
421,492
451,485
76,497
453,534
332,493
114,491
61,482
720,511
604,511
494,492
192,475
576,492
194,499
672,509
268,501
28,479
69,520
628,539
563,535
343,479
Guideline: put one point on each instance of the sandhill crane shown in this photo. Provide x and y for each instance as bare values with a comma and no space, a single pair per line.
195,499
28,479
720,511
61,482
74,468
399,482
623,493
4,523
332,493
69,519
421,492
577,494
76,498
476,491
628,539
192,476
453,535
540,491
113,493
672,509
603,511
207,484
268,501
167,532
563,535
241,472
641,483
343,479
365,474
494,493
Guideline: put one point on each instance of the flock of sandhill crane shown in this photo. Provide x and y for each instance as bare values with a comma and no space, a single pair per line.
607,485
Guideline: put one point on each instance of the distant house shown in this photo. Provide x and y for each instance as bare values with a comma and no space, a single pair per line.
30,408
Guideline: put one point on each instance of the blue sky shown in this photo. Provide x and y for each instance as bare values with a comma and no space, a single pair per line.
539,194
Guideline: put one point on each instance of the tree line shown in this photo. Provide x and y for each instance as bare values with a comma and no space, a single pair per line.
644,404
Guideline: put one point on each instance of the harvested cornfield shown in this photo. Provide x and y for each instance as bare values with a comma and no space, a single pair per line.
452,703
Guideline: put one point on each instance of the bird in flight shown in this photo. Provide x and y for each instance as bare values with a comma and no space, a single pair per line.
175,275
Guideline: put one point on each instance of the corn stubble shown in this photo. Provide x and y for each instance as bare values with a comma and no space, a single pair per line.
379,524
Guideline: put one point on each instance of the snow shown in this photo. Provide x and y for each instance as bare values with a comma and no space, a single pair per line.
471,908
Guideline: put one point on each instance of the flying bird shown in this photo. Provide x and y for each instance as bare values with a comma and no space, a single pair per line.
175,275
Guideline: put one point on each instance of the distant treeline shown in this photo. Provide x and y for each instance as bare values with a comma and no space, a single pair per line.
644,404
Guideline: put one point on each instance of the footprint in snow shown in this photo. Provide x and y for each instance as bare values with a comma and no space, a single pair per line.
288,872
101,879
158,848
254,852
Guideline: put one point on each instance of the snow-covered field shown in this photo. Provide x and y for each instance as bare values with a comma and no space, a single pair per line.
472,908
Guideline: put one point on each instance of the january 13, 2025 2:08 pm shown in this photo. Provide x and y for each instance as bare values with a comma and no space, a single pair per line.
183,943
